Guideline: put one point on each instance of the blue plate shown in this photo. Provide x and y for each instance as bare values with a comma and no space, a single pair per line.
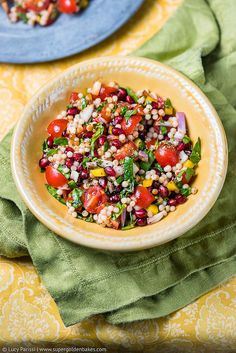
70,34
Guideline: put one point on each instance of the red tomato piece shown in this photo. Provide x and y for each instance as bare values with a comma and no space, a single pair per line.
167,154
126,151
94,199
130,125
67,6
54,178
144,198
106,92
73,96
36,5
151,143
56,127
106,114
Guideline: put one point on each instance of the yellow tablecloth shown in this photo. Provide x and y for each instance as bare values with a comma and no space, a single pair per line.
29,316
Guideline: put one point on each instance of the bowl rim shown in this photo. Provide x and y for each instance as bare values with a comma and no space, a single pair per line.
99,243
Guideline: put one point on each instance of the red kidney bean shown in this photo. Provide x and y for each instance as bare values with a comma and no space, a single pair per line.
116,143
117,131
103,182
84,174
96,154
180,199
129,100
72,111
165,117
181,146
172,202
69,149
43,163
78,157
155,184
142,213
117,120
155,105
50,141
102,139
115,198
117,189
110,171
69,162
122,94
141,222
163,191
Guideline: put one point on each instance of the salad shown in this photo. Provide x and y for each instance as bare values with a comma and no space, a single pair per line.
119,157
42,12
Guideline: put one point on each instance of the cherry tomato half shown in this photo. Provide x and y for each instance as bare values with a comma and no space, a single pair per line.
106,92
56,127
126,151
36,5
94,199
151,143
130,125
143,197
67,6
167,154
54,178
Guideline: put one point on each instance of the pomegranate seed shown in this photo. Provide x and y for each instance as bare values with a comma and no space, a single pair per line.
117,190
43,163
172,202
69,162
69,149
122,94
115,198
78,157
110,171
116,143
117,131
84,174
180,199
141,222
140,213
163,191
87,134
102,139
155,105
165,117
181,146
80,168
117,119
50,141
129,100
102,182
155,184
72,111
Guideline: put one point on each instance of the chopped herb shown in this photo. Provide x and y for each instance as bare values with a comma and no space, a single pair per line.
106,146
44,145
129,222
124,110
53,192
22,16
60,141
130,226
76,196
189,174
61,170
163,130
89,218
132,94
146,165
178,177
186,192
129,172
96,135
85,160
179,184
72,184
119,179
120,206
168,103
99,108
114,109
186,139
157,166
51,152
195,156
129,113
83,102
69,106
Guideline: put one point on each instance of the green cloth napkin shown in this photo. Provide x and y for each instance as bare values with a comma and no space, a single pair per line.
199,40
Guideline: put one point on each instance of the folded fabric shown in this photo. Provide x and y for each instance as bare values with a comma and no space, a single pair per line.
199,40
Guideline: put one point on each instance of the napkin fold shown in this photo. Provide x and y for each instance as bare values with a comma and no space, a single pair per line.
199,41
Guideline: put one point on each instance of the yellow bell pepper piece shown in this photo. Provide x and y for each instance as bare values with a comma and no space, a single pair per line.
98,172
171,186
153,209
150,99
188,164
169,111
147,182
